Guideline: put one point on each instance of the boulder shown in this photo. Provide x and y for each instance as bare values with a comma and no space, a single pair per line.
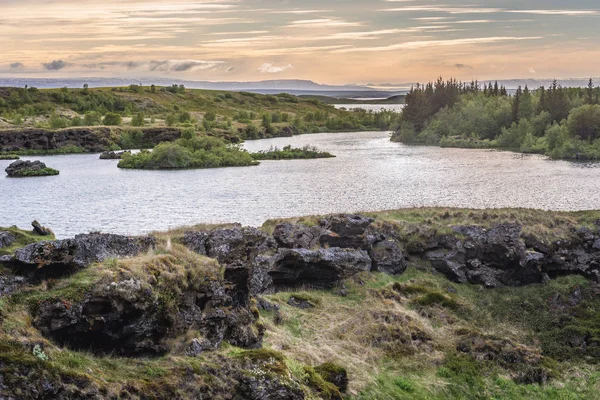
317,268
297,236
6,239
387,257
61,257
40,230
345,231
21,168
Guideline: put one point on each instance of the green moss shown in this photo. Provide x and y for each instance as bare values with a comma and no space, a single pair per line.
437,298
325,389
9,157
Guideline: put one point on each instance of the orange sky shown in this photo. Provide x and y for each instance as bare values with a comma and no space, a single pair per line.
352,41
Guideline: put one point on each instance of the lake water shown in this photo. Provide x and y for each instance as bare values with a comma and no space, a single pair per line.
372,107
370,173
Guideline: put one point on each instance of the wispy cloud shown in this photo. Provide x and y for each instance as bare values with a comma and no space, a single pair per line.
269,68
437,43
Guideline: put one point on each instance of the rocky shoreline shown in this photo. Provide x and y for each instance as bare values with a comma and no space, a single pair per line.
151,290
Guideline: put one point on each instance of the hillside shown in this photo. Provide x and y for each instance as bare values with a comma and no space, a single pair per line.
231,115
407,304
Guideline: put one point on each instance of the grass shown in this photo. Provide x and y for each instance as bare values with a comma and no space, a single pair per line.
23,238
412,336
9,157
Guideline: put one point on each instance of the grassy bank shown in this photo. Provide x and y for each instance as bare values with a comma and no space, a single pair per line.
412,336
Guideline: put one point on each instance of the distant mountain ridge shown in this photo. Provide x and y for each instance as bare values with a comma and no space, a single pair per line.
282,84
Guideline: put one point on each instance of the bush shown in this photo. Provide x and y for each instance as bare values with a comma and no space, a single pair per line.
210,116
112,119
138,120
92,118
58,122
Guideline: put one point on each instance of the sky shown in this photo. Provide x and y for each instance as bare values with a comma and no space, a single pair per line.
334,41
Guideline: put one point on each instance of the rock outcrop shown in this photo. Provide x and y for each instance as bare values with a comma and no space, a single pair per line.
113,155
62,257
502,255
90,139
20,169
130,317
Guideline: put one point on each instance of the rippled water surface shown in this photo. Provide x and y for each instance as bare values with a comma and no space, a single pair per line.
369,173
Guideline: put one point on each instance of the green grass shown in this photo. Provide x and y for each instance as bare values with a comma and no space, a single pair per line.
23,238
9,157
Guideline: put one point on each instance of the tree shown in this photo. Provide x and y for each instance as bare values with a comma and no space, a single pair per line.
590,98
525,110
112,119
584,122
138,120
516,104
152,89
58,122
85,88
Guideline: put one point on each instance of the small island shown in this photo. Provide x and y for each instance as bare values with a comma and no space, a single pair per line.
113,155
22,169
9,157
192,151
290,153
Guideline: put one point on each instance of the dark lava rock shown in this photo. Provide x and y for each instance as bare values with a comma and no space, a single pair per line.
318,268
387,257
6,239
22,168
297,236
197,347
266,387
61,257
346,231
127,317
10,284
40,230
300,303
245,253
113,155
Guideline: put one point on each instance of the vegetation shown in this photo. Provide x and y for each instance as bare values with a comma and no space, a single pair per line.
22,238
229,115
9,157
26,173
289,153
412,336
191,151
563,123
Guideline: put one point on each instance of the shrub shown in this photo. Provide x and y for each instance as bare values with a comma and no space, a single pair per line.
112,119
138,120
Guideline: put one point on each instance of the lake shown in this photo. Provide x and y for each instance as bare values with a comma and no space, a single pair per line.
372,107
370,173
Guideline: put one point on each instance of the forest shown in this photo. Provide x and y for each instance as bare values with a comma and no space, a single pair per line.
560,122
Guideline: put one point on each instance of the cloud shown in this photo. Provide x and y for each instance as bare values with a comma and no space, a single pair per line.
322,23
17,65
269,68
462,66
532,71
437,43
159,65
55,65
